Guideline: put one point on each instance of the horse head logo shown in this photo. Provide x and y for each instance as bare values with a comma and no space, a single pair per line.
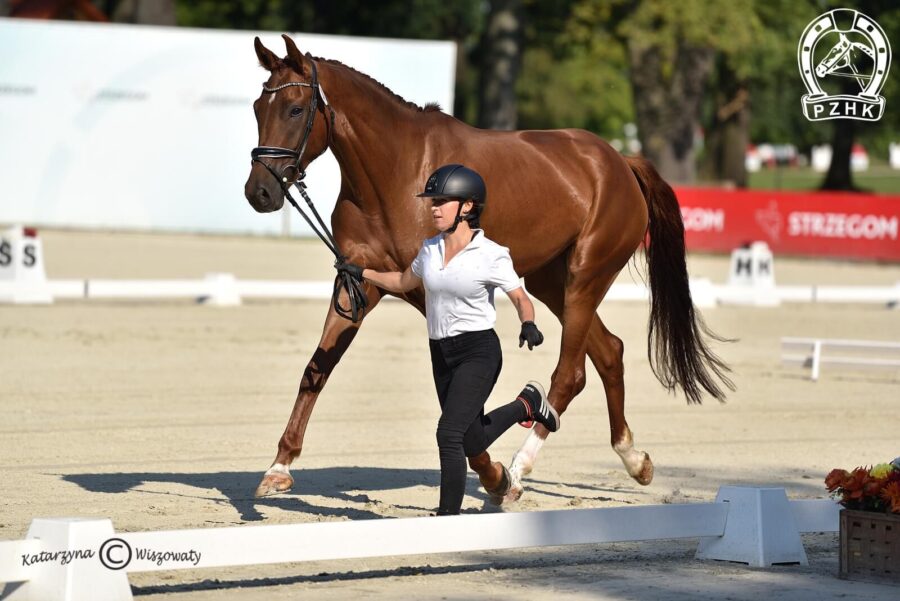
855,47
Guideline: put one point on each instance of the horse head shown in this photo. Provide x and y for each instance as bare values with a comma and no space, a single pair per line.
291,134
835,59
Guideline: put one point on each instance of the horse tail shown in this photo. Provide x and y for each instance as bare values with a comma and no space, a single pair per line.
678,354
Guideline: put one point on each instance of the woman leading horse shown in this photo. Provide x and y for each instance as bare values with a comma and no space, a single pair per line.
570,209
460,269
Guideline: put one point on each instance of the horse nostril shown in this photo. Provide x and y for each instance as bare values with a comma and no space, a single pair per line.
263,196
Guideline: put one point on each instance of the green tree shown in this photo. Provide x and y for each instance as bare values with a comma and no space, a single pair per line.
743,73
575,70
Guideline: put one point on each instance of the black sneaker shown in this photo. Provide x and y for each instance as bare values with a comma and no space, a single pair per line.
539,409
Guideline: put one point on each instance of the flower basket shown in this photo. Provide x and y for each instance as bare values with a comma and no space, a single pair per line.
870,546
870,522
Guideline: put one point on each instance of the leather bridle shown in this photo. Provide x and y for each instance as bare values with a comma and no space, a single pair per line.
279,152
344,280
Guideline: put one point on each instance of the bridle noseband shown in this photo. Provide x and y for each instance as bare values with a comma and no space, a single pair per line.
278,152
358,299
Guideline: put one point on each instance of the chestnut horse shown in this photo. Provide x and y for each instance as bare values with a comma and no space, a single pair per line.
569,207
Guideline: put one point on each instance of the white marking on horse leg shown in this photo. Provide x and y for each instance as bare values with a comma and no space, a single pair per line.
633,460
522,463
278,468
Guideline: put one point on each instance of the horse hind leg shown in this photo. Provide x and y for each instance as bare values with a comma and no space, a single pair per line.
494,478
606,350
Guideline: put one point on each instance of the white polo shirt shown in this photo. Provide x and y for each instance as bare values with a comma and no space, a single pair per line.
460,297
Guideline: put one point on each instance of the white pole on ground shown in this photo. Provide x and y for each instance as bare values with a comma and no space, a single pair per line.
83,559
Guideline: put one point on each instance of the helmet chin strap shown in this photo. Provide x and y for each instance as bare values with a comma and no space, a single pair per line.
459,219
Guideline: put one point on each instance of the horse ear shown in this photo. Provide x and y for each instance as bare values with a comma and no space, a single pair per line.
267,58
295,55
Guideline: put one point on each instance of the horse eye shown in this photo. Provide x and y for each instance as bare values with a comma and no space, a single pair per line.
296,111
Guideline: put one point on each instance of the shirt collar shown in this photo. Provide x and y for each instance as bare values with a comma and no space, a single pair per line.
476,242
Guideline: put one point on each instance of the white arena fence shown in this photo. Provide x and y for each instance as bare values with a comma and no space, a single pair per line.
813,353
73,559
223,288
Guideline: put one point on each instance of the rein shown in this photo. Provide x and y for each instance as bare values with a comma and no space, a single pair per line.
343,281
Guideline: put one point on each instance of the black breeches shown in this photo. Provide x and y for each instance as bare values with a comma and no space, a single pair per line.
465,369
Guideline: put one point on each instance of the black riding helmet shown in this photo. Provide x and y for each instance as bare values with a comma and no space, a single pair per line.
457,181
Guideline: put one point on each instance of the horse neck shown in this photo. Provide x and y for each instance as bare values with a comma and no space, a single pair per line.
371,130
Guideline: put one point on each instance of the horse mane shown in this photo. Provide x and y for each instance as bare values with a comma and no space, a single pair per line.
428,108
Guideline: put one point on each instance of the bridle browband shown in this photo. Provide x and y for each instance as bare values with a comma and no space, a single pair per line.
358,299
279,152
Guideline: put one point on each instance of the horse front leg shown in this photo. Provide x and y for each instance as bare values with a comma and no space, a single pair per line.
337,335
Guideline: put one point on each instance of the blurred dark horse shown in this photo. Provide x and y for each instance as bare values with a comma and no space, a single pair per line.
571,209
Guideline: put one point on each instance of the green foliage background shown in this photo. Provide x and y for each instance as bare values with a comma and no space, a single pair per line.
575,67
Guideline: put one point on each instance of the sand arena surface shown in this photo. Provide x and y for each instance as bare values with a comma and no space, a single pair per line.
163,415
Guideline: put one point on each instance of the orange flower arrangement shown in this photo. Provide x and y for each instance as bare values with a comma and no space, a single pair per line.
869,489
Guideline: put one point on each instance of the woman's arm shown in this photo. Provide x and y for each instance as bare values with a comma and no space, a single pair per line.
393,281
523,304
530,333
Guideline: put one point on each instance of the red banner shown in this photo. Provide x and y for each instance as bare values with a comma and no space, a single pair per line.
816,224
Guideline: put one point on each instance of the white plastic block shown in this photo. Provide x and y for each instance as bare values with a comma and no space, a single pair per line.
222,290
760,529
751,277
81,578
22,276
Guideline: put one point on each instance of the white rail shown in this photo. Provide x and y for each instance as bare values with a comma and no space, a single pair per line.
71,559
705,293
810,352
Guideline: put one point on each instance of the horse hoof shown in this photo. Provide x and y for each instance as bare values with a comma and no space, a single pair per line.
645,475
499,492
275,483
514,493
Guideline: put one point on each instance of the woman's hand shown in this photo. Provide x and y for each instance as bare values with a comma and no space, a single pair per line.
355,271
530,334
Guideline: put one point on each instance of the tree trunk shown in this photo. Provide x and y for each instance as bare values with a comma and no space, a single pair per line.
463,88
145,12
729,132
839,176
668,106
502,45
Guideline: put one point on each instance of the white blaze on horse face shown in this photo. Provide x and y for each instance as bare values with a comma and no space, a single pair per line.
271,98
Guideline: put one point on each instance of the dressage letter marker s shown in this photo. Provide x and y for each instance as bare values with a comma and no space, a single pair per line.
22,277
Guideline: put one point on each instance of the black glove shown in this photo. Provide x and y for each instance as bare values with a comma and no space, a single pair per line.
530,334
355,271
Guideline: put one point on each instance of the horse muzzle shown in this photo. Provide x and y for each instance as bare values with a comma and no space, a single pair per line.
264,196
